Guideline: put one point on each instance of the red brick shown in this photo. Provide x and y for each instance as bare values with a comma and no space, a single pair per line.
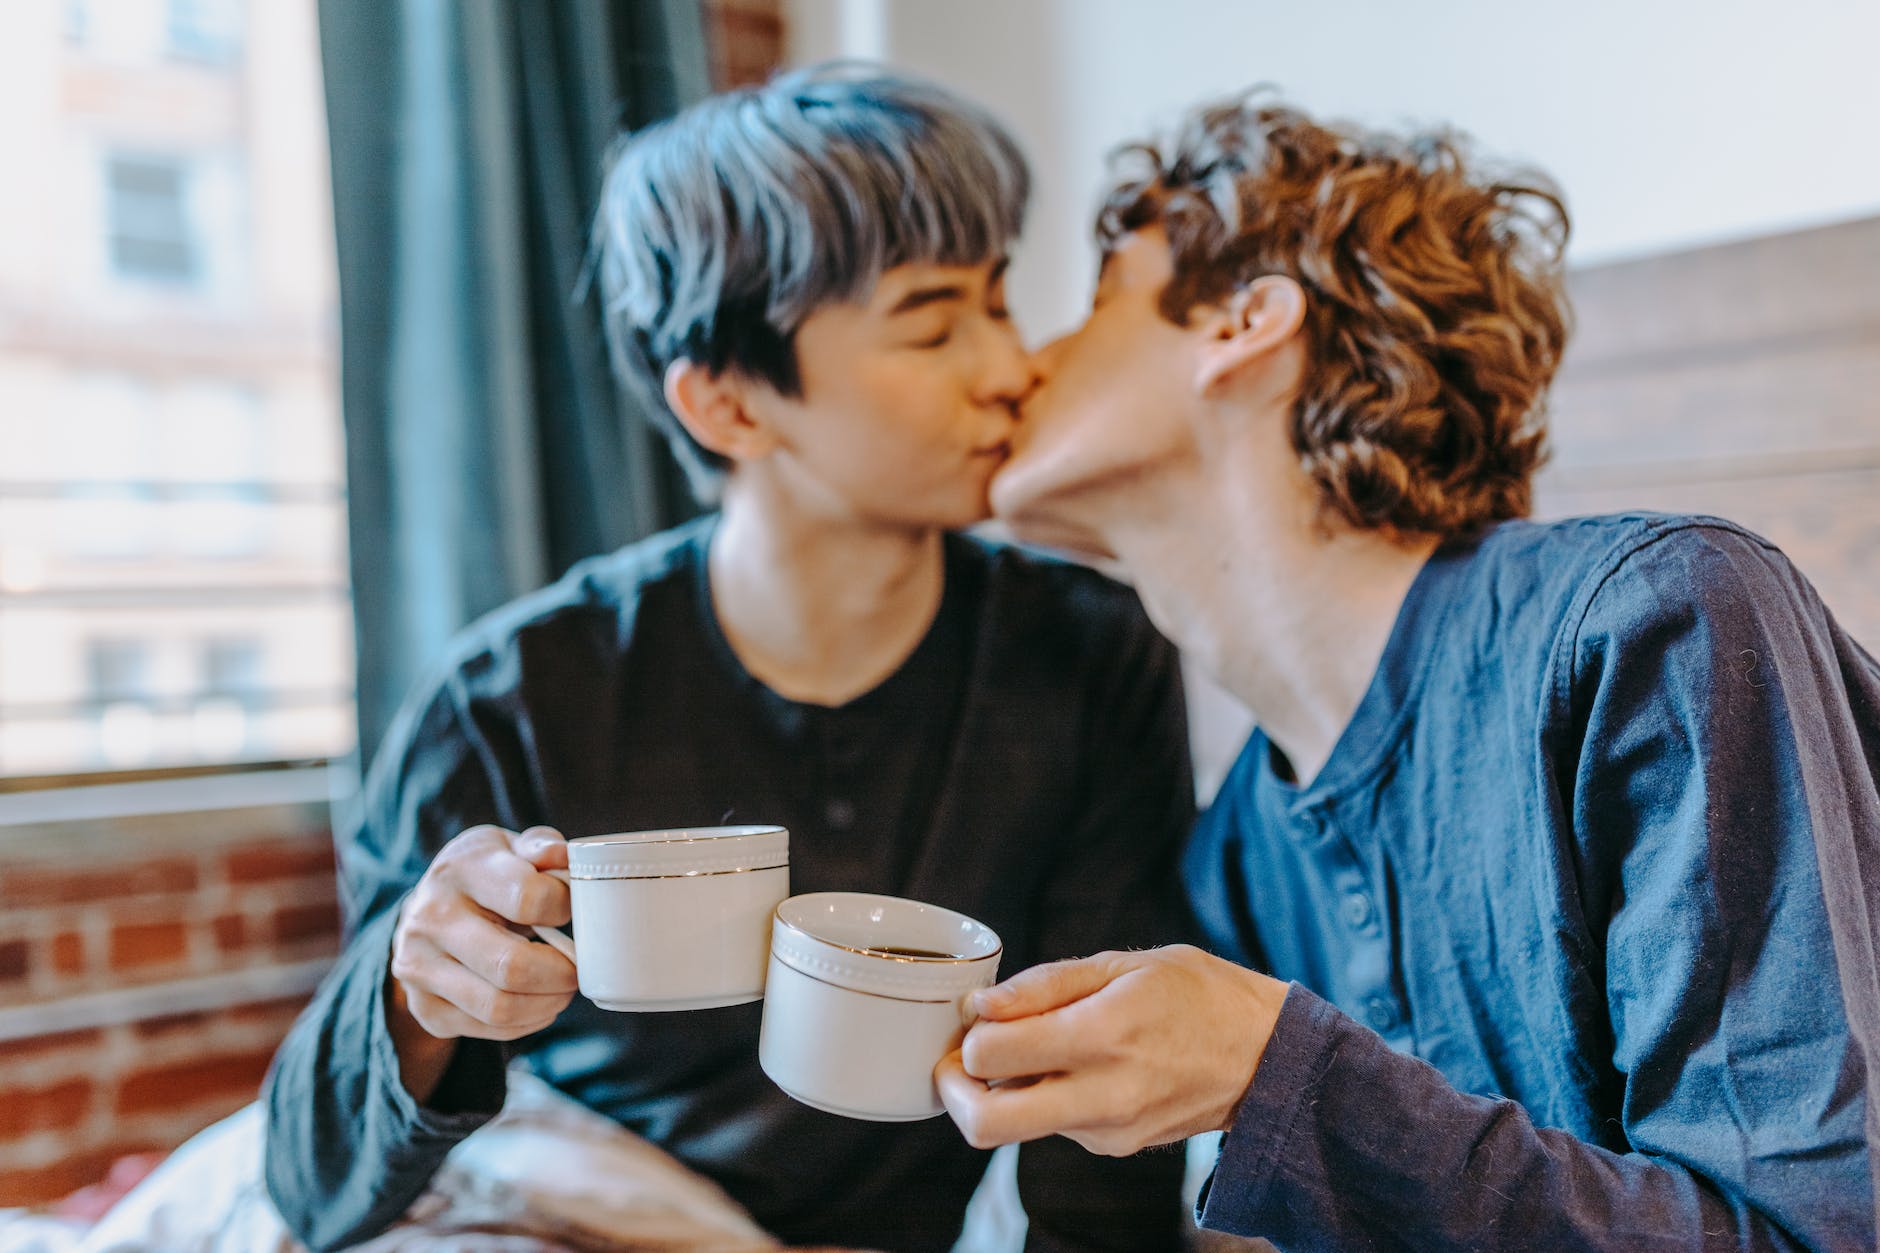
68,953
226,1076
231,932
148,944
62,885
44,1184
172,1024
16,960
26,1110
60,1042
293,923
279,1012
280,859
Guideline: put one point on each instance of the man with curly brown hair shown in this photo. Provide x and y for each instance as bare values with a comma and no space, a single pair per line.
1549,877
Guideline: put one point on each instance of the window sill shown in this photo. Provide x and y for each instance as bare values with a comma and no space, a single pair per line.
160,814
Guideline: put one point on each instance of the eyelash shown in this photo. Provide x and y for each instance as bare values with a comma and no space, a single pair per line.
997,314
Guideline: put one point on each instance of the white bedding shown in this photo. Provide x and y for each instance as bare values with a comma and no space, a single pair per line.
545,1176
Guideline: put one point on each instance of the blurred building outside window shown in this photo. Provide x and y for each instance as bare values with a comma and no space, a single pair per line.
172,499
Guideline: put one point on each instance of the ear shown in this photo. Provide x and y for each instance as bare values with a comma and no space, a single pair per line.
1256,320
717,411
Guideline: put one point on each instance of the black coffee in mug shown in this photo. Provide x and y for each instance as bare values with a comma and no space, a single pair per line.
893,951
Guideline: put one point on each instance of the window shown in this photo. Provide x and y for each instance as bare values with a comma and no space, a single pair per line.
172,493
203,30
118,671
150,235
119,674
232,669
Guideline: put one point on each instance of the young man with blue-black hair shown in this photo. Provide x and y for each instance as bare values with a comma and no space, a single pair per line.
810,274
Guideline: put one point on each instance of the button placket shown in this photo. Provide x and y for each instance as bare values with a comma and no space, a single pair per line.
1355,903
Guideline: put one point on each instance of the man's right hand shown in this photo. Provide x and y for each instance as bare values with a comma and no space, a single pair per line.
461,965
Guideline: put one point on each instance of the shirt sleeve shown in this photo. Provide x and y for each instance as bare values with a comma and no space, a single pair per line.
348,1148
1115,886
1679,763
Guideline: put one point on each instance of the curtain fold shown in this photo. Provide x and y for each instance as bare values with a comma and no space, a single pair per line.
488,447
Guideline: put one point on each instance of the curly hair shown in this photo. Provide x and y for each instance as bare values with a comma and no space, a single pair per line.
1435,308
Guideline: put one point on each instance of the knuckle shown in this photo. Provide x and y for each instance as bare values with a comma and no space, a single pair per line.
508,1010
484,1005
524,898
463,846
503,967
429,911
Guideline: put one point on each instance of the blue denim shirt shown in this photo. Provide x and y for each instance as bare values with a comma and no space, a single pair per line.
1566,973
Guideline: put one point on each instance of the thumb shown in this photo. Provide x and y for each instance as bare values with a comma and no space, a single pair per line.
542,847
1048,987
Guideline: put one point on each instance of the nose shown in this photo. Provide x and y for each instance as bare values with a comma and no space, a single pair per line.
1007,376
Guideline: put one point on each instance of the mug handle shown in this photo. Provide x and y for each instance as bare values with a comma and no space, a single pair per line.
557,940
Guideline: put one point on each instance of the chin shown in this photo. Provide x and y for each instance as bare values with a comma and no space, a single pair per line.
958,516
1036,523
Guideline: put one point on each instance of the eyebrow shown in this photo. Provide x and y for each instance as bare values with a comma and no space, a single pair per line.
921,297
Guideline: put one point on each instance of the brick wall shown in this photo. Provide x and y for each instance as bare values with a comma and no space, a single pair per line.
118,938
745,38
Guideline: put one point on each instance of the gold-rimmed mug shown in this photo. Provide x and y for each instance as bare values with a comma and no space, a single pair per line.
864,995
673,919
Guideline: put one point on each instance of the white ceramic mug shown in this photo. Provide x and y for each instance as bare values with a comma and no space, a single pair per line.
865,995
673,919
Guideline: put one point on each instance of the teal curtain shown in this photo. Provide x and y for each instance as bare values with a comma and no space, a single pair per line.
488,448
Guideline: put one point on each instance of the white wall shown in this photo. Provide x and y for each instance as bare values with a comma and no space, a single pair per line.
1668,122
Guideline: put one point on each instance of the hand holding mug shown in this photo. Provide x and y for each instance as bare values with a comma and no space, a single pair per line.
462,964
1117,1051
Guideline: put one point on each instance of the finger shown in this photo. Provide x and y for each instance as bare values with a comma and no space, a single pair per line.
1048,1043
542,847
437,1016
502,958
964,1098
990,1115
512,889
494,1014
1048,987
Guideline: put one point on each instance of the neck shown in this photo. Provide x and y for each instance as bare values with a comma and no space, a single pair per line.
1292,624
821,610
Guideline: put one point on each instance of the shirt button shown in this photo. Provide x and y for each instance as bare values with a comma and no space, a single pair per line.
1380,1013
1356,908
839,814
